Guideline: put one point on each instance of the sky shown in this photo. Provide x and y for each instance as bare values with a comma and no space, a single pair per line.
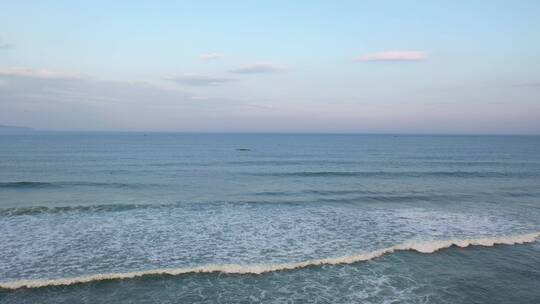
459,67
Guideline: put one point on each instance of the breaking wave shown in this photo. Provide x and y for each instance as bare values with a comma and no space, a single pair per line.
325,197
35,210
418,246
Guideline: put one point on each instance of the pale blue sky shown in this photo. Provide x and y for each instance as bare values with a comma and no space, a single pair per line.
275,66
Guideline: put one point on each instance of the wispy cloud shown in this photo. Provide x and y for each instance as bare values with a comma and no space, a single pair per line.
211,56
42,101
394,56
259,68
199,80
36,73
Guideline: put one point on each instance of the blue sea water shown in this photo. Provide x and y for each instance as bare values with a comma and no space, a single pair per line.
269,218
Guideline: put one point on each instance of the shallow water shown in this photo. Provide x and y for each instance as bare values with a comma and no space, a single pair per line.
103,205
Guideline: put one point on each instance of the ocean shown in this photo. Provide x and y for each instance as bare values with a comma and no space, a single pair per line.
269,218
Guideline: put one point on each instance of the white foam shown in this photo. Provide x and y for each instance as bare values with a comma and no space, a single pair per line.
419,246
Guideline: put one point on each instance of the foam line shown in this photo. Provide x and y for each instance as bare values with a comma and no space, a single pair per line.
419,246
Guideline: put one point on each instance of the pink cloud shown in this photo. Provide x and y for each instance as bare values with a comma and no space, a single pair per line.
259,68
394,56
199,80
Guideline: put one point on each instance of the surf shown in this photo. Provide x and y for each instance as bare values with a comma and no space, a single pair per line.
421,246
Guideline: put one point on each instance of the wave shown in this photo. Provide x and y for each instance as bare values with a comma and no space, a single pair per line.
383,174
326,198
393,198
255,269
26,185
334,197
316,192
34,210
40,185
351,196
342,192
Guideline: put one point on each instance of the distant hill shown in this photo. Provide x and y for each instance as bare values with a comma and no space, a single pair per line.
5,129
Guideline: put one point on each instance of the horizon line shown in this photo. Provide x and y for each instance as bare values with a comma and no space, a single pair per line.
34,130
